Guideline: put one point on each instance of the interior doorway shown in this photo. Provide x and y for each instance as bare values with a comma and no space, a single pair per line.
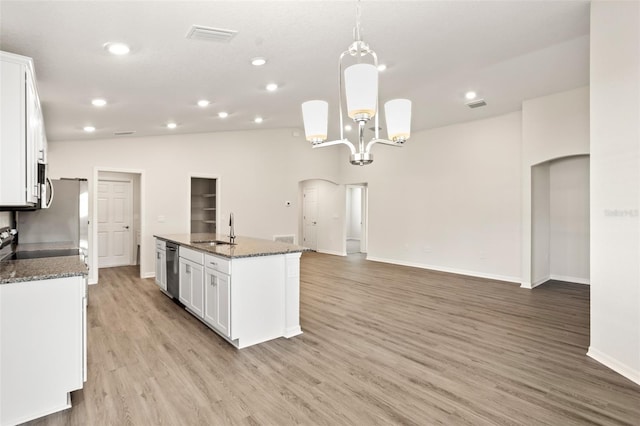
356,218
115,221
310,218
118,209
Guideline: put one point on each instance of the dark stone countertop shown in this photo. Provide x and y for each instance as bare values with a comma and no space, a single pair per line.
244,247
13,271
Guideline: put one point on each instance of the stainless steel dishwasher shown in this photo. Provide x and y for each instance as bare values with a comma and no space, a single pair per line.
173,268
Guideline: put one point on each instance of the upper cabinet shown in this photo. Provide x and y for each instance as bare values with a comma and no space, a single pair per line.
23,143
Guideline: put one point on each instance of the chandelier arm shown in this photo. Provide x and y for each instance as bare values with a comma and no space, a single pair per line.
352,148
382,141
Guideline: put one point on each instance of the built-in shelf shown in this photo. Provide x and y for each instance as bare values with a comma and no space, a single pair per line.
203,205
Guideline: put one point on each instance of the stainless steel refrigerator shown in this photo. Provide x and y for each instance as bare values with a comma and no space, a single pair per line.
66,222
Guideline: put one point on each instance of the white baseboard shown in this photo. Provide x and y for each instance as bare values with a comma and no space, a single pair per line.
335,253
575,280
615,365
540,281
149,275
446,269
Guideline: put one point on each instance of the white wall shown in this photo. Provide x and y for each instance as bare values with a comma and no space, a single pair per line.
615,186
569,219
540,224
259,171
448,200
553,127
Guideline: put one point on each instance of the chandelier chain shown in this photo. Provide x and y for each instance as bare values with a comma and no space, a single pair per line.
358,35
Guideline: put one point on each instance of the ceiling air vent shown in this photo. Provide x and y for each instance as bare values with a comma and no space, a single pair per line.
124,133
476,104
198,32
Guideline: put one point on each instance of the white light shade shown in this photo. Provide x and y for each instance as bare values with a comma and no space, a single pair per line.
398,115
315,115
361,90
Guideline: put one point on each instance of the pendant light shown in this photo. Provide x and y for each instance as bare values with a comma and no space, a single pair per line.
359,95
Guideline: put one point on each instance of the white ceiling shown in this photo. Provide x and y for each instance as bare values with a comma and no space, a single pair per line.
507,51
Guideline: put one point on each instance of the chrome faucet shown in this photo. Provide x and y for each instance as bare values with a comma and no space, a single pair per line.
232,232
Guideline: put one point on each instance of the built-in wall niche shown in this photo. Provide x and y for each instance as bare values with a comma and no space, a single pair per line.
560,219
204,205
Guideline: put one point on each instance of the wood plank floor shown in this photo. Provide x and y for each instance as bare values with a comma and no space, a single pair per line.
382,344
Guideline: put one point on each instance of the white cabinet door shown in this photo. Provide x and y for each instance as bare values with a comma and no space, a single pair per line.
197,289
185,281
192,286
18,159
217,308
33,135
42,329
161,269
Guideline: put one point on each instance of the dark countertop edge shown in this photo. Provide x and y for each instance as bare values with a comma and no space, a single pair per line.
42,277
299,249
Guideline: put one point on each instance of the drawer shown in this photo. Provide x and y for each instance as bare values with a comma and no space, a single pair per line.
192,255
217,263
161,244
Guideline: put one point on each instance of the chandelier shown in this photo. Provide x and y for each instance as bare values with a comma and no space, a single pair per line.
359,85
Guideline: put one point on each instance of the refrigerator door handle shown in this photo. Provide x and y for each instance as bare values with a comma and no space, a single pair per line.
48,203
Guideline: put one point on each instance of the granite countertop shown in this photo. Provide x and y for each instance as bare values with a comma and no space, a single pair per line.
13,271
244,247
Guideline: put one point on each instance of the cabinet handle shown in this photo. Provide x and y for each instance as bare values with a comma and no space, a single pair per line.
213,263
213,280
188,269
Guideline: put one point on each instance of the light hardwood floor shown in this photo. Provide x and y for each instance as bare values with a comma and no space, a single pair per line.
382,344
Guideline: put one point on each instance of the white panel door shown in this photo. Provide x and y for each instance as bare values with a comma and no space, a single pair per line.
310,218
114,223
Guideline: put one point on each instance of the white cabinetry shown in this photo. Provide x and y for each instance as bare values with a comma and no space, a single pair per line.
192,280
161,264
22,137
42,346
217,294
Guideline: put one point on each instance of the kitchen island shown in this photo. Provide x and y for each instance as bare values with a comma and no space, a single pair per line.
42,335
247,291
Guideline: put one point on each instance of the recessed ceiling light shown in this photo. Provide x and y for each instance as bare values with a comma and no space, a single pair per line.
223,114
470,95
117,48
203,103
258,62
347,128
257,120
98,102
382,67
171,125
89,129
272,87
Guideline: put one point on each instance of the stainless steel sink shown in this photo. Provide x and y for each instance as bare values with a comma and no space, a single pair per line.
214,243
